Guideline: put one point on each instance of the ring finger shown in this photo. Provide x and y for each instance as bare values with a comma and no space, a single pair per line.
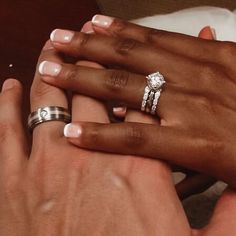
121,86
43,95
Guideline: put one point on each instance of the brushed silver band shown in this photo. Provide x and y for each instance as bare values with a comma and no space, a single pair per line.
46,114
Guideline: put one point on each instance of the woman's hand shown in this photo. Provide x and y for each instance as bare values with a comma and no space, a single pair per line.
196,107
193,183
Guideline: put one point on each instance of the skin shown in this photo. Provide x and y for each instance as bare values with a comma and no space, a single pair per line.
194,79
58,189
193,182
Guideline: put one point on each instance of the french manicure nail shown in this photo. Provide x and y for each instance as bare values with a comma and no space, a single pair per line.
102,21
87,28
61,36
213,31
119,109
49,68
72,131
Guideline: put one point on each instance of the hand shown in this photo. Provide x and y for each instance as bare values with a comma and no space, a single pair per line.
194,80
193,183
58,189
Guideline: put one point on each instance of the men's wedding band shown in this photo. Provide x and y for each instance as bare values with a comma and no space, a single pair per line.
152,92
46,114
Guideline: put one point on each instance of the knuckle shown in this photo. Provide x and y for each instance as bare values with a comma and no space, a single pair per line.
204,103
71,74
117,27
212,146
208,73
83,40
125,46
226,51
134,137
116,80
7,130
154,35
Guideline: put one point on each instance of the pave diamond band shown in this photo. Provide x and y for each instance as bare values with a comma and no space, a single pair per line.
46,114
152,92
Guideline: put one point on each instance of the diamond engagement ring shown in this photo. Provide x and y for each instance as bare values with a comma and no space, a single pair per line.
152,92
46,114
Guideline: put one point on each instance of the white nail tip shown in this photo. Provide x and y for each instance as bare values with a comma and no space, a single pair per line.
52,36
72,131
94,19
66,130
41,67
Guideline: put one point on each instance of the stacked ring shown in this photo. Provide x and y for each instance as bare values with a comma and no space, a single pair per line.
46,114
152,92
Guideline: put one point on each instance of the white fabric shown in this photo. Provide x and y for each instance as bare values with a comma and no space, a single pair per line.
191,21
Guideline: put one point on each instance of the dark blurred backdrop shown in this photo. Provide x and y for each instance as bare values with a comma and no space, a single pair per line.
25,25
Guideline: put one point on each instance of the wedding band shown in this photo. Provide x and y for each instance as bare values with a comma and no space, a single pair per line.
46,114
145,98
152,92
155,102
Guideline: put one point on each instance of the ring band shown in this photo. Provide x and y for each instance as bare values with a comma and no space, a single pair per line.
155,102
46,114
152,92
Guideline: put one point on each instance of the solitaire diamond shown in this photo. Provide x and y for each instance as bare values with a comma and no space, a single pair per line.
155,81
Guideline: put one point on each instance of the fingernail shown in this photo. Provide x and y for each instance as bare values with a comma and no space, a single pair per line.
61,36
119,109
87,28
213,31
102,21
72,131
8,84
49,68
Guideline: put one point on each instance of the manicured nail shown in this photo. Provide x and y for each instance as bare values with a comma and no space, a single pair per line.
8,84
102,21
61,36
213,31
72,131
49,68
119,109
87,28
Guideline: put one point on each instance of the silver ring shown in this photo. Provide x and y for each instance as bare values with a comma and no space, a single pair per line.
46,114
152,92
155,102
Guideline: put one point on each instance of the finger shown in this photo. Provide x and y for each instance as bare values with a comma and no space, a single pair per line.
127,53
175,42
194,184
119,111
43,95
121,86
87,28
13,144
86,108
131,138
207,33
